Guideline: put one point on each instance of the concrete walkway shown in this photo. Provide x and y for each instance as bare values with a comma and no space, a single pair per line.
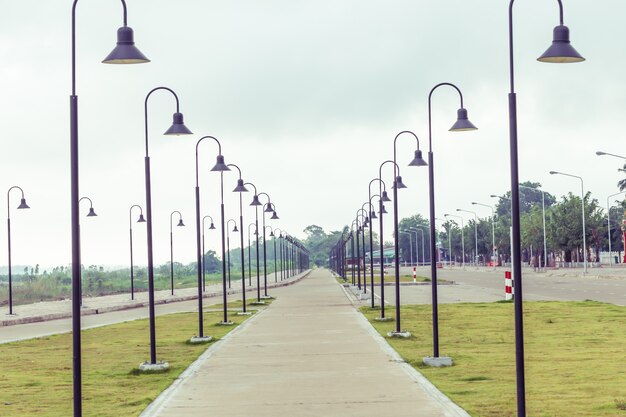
309,354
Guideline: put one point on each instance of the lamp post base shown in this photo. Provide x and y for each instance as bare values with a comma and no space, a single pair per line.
225,323
437,362
243,313
383,319
404,334
257,303
267,297
198,340
148,367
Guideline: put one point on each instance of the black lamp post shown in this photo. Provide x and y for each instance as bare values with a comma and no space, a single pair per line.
241,188
90,213
22,205
211,227
130,223
180,224
372,217
366,223
274,241
267,208
218,167
561,51
462,124
381,211
256,233
280,249
124,53
256,203
228,244
176,129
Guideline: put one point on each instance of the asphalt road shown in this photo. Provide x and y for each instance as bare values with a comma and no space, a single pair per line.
481,285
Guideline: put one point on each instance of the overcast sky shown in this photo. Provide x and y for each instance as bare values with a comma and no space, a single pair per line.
306,97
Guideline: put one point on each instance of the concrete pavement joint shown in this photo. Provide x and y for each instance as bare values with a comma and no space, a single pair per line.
155,407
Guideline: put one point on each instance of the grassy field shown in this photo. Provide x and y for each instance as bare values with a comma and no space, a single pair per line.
575,356
36,377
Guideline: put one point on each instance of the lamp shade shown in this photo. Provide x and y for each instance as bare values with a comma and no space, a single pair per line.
178,126
141,219
240,188
23,204
418,161
212,226
561,51
373,215
383,211
255,201
125,52
462,123
385,198
180,223
274,216
235,229
269,208
271,233
220,166
399,182
91,212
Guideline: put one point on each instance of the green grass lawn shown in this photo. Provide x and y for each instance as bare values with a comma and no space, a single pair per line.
575,356
36,377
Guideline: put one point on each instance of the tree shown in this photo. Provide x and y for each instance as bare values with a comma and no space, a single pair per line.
622,183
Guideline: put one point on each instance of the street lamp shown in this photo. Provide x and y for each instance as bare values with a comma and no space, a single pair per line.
176,129
475,234
358,251
382,211
124,53
608,223
256,203
211,227
274,242
228,244
449,231
415,230
600,153
280,249
582,202
408,232
363,213
90,213
218,167
256,233
130,223
493,231
267,208
22,205
462,237
180,224
561,51
462,124
241,188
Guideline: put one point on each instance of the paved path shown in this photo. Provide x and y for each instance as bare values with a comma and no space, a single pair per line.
309,354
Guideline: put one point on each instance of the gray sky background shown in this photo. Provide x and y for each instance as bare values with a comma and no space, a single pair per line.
306,97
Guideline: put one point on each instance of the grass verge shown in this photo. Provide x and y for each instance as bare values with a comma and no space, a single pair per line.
574,356
36,377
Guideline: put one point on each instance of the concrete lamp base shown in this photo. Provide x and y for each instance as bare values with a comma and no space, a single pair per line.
402,334
154,367
383,319
364,296
244,313
257,303
267,297
198,340
225,323
437,362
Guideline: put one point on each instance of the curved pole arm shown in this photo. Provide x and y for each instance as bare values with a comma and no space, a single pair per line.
253,186
228,224
389,161
146,109
219,145
396,139
130,213
430,95
233,165
88,199
180,216
269,200
9,193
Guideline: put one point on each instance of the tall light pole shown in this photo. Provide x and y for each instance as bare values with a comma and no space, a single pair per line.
228,244
582,203
418,229
241,188
608,223
256,203
416,161
543,214
130,222
22,205
475,234
462,237
218,167
410,233
90,213
462,124
256,233
449,230
180,224
561,51
211,227
493,231
280,249
381,211
124,53
176,129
